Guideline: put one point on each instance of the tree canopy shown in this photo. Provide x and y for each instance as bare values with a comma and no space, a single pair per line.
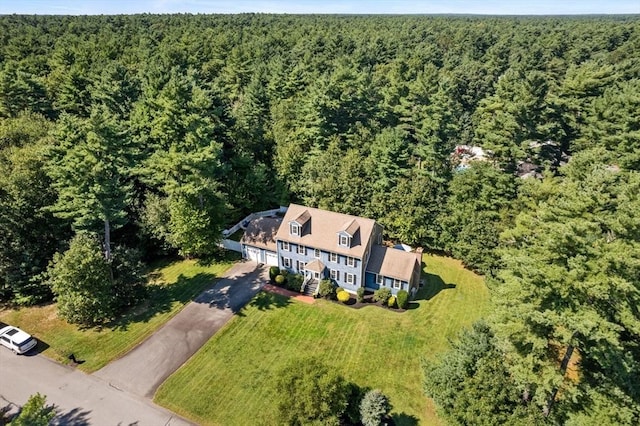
152,133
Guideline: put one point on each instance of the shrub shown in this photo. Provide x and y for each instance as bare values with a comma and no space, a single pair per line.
402,298
382,295
327,289
360,295
294,282
343,296
274,271
35,412
374,407
280,279
391,302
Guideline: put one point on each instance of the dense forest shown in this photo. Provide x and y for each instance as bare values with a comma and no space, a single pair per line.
125,138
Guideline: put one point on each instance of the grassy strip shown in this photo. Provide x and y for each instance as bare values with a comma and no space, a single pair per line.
171,286
230,380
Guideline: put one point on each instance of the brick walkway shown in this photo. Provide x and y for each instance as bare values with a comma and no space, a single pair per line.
291,294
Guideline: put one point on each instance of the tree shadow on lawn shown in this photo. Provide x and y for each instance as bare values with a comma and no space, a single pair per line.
404,419
266,301
222,256
434,284
160,299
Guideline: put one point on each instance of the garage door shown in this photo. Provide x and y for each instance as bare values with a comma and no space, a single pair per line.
272,258
253,254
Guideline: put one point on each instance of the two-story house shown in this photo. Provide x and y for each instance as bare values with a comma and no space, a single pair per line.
346,249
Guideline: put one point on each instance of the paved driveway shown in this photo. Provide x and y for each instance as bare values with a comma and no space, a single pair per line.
142,370
80,399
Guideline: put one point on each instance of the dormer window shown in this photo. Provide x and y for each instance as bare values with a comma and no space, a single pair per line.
294,229
344,240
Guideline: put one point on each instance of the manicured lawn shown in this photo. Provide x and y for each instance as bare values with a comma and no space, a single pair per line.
229,381
172,285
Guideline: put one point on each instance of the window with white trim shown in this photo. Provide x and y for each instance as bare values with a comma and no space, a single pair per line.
302,249
344,240
335,274
333,257
379,280
294,229
285,246
350,279
300,265
316,253
397,283
286,262
351,261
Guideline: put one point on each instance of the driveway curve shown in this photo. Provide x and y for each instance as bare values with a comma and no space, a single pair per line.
80,399
142,370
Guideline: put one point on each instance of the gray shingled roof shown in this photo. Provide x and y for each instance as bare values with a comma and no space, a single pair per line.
261,233
314,266
391,262
321,230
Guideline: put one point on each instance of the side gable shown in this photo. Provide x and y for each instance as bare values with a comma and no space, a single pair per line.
393,263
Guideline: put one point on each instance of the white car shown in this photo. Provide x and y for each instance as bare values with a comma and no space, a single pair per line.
17,340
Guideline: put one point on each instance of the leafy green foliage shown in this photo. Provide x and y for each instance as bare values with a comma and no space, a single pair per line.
294,282
90,289
471,385
360,294
80,279
274,271
391,302
374,407
35,412
476,212
29,234
569,283
343,296
310,392
326,289
402,298
382,295
280,280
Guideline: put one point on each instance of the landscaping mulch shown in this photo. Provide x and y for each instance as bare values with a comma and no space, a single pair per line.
368,301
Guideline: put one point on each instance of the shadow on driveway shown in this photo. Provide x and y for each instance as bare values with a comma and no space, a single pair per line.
143,369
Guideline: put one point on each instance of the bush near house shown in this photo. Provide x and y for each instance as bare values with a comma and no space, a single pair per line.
392,302
280,279
360,295
382,295
402,298
274,271
326,289
343,296
294,282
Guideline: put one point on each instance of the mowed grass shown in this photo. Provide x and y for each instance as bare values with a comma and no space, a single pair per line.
230,380
171,286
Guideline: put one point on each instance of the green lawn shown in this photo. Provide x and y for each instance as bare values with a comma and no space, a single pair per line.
229,381
171,286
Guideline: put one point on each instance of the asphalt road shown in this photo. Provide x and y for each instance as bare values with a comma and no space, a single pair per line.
142,370
80,399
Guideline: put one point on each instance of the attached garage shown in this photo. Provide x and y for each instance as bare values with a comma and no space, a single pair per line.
254,254
272,258
258,243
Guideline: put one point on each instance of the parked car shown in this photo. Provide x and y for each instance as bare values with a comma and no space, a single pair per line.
17,340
